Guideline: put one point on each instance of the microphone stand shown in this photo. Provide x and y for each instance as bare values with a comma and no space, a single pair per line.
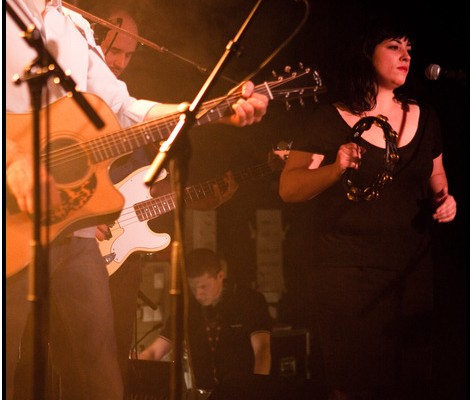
139,39
177,148
36,75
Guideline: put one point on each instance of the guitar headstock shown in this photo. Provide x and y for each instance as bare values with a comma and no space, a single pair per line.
296,84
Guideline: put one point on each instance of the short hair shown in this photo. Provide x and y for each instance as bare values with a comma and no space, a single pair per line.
202,261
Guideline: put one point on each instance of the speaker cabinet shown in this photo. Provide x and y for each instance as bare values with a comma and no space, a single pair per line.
290,353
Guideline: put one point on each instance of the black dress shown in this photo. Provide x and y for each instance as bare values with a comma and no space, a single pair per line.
370,273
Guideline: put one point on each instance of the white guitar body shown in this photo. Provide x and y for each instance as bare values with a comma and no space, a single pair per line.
128,233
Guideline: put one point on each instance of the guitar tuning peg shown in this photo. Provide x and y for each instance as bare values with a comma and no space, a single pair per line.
287,69
301,101
274,74
300,65
288,106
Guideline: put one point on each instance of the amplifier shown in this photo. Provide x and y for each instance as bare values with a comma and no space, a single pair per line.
148,380
290,350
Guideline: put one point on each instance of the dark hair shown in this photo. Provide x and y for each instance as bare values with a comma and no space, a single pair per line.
105,9
357,86
201,261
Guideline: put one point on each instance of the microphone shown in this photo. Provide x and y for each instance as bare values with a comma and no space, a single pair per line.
433,72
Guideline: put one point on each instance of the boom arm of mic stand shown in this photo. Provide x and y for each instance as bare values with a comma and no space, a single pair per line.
178,136
189,115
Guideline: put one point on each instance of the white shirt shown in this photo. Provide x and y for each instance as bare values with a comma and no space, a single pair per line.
74,52
69,39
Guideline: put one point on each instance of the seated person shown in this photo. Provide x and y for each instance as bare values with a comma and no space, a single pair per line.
229,327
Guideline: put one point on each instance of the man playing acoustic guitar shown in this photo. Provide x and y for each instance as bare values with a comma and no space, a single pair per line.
81,333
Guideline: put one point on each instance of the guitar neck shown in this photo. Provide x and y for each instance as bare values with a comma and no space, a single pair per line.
157,206
115,144
204,190
126,141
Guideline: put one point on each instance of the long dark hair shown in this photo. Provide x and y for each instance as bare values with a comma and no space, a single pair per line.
356,83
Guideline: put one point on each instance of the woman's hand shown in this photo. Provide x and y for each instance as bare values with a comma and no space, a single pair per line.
349,156
445,206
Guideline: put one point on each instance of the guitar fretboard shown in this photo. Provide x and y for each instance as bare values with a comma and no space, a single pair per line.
120,143
157,206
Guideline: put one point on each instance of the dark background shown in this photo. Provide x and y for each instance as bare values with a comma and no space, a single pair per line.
199,30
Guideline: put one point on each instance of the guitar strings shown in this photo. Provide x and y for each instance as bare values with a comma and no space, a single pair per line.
102,146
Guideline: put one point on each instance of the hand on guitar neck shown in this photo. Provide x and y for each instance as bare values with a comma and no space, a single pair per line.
222,191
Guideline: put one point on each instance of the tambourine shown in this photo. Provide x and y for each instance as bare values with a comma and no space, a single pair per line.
372,192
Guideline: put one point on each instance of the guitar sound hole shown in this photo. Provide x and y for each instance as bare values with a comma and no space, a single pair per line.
69,163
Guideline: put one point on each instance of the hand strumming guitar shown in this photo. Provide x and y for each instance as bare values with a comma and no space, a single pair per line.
20,180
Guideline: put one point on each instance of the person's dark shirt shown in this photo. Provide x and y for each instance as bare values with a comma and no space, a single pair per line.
227,328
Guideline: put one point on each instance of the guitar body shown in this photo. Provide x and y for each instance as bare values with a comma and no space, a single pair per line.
88,196
129,234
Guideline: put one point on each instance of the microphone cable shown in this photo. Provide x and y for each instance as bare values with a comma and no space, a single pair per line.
269,58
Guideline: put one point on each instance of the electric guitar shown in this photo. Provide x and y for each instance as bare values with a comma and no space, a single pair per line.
78,157
130,232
